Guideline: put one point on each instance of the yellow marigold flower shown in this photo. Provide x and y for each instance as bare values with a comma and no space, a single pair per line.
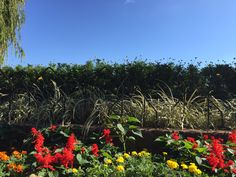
120,168
197,172
184,166
134,153
120,159
74,170
192,168
126,155
164,153
4,156
108,161
172,164
143,154
16,154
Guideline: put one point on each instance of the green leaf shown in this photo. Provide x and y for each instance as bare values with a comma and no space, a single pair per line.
199,160
203,149
133,127
81,160
188,145
121,128
64,134
231,151
138,133
114,117
105,154
133,120
58,150
131,138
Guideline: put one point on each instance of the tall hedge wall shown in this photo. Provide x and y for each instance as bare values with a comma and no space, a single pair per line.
123,78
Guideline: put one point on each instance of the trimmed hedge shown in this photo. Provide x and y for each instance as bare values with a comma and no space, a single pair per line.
123,79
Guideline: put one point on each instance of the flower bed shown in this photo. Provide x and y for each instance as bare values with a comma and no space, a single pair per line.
55,151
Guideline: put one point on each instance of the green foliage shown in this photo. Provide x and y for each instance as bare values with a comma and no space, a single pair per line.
125,127
11,19
124,79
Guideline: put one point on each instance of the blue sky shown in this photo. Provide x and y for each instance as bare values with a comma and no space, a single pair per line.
74,31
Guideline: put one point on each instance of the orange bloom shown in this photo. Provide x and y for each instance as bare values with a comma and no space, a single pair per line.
16,154
4,156
16,168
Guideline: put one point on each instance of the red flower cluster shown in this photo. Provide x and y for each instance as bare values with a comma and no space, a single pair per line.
175,136
44,156
216,159
95,150
232,136
106,134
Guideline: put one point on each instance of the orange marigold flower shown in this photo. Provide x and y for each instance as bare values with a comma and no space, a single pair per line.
16,154
4,156
19,168
16,168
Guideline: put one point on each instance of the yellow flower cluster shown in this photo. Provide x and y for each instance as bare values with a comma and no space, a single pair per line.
108,161
120,168
194,169
4,156
172,164
120,159
126,155
74,170
184,166
134,153
144,154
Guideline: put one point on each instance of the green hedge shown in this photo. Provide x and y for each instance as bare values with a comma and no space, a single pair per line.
123,78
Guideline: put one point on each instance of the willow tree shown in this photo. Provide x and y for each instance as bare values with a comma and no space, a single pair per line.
11,19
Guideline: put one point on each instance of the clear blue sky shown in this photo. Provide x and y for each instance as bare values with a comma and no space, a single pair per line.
73,31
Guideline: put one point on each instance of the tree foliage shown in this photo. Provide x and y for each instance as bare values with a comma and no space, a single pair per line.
11,19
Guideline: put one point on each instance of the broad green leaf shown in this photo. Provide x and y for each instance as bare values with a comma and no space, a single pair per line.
133,120
199,160
131,138
138,133
121,128
133,127
64,134
188,145
203,149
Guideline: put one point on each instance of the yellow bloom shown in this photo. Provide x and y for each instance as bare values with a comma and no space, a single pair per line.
120,159
74,170
126,155
194,169
164,153
197,172
184,166
120,168
143,154
108,161
172,164
134,153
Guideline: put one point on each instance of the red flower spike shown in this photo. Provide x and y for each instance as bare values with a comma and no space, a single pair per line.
95,150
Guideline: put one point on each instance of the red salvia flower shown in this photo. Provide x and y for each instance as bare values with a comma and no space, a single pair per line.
95,150
232,136
175,136
106,134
